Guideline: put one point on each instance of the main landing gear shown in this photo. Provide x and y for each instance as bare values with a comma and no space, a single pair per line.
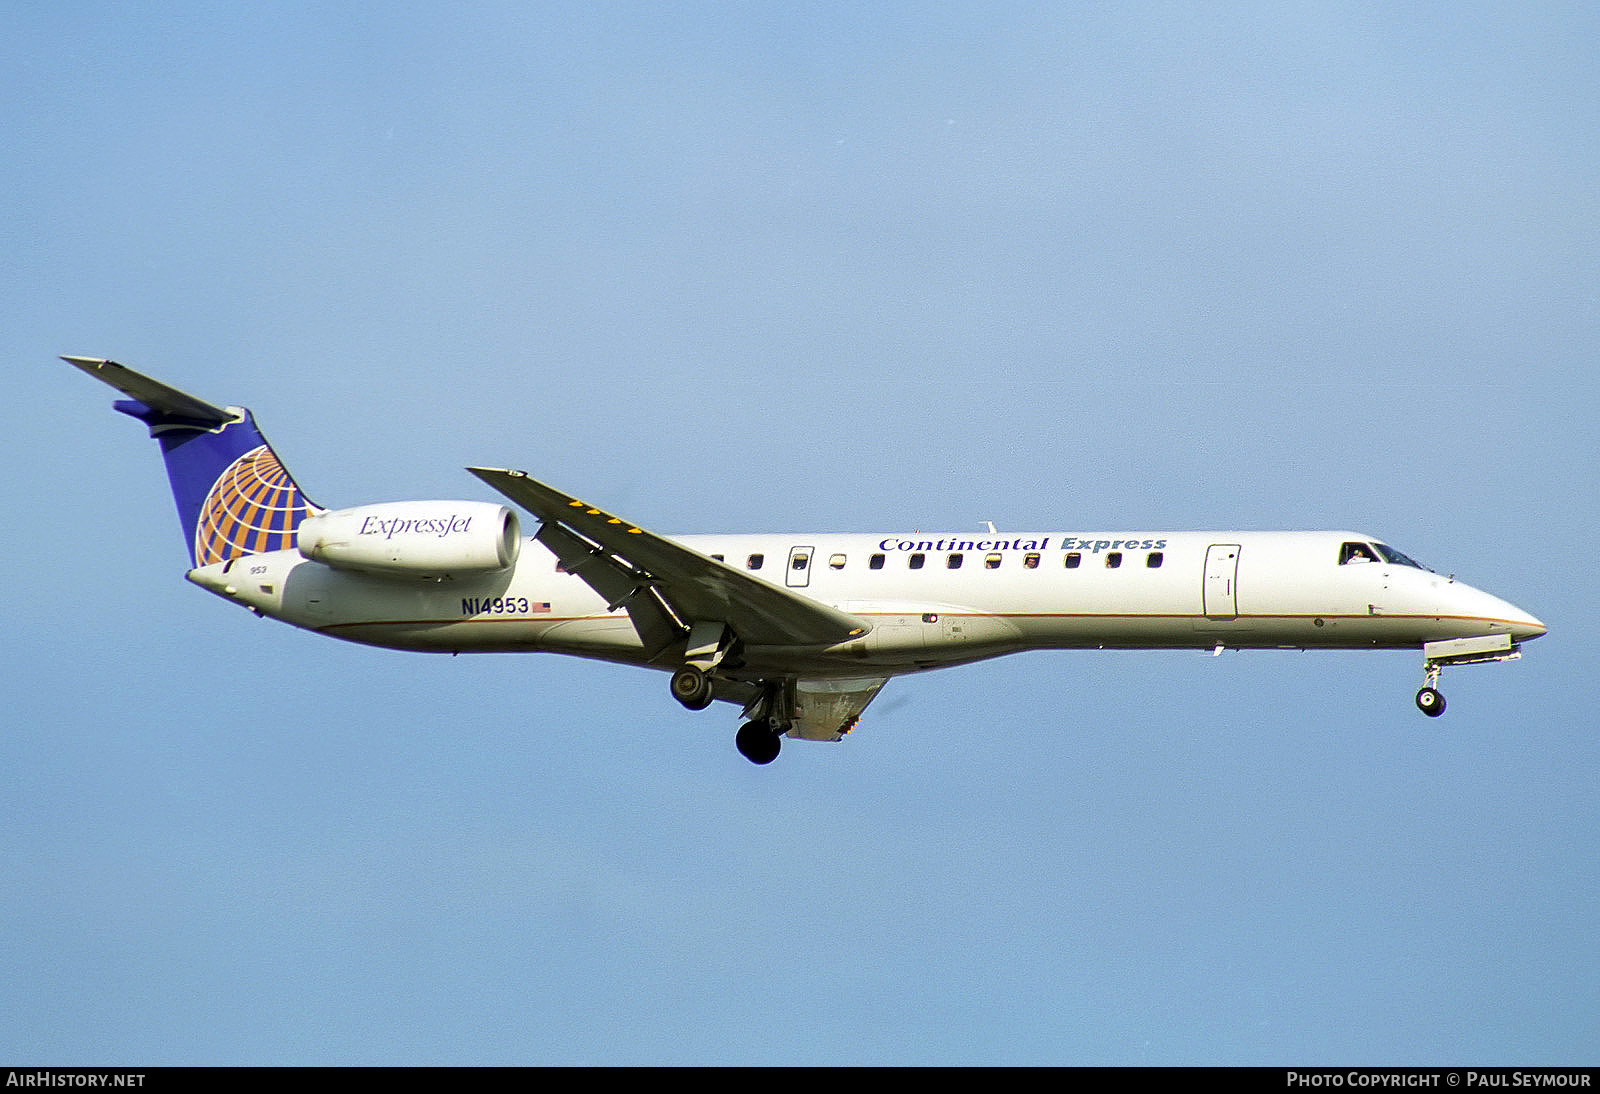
770,705
705,647
758,741
692,687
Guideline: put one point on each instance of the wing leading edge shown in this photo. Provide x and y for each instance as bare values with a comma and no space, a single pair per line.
644,572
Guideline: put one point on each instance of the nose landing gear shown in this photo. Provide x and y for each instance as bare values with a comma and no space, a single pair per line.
1429,701
1458,651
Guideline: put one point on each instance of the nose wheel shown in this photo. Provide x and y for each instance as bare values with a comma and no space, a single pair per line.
1429,701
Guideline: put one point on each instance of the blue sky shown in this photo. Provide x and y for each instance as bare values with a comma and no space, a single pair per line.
721,267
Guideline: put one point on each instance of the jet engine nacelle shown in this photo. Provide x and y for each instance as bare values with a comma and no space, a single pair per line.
414,538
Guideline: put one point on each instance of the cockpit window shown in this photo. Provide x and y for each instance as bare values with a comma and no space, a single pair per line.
1389,554
1373,552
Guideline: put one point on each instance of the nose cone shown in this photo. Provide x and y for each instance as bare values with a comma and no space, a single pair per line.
1496,616
1526,626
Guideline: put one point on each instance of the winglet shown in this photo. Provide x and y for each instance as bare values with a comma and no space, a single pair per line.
152,393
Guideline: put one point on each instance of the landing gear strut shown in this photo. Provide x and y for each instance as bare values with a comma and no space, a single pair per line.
704,648
769,713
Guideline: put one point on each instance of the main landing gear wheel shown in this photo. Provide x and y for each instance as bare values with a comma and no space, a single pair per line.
692,688
1430,702
757,742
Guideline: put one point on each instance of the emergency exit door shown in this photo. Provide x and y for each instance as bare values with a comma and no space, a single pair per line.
798,576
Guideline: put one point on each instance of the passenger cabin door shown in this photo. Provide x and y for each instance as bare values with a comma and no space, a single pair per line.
1220,595
798,575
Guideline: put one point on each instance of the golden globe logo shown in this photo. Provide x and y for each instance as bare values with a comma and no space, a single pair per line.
252,507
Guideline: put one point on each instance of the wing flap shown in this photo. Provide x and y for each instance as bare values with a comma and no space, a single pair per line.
619,584
626,559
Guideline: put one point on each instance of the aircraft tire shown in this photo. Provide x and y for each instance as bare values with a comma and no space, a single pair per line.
1430,702
757,742
692,688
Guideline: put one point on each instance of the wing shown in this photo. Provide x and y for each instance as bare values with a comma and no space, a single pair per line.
639,570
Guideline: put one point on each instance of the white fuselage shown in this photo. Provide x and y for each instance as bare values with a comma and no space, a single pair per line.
801,631
931,599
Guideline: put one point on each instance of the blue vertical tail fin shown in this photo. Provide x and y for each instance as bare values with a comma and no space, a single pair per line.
234,497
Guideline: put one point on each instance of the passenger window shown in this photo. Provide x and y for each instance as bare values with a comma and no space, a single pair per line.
916,561
799,561
1030,561
991,562
717,557
1074,560
836,562
875,562
1113,560
1154,559
754,561
953,562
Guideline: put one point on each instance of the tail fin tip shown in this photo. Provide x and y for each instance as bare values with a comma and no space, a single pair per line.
234,497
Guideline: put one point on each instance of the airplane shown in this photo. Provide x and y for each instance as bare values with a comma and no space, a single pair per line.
801,631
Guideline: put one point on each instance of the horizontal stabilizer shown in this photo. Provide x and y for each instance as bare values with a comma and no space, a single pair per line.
152,393
234,496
